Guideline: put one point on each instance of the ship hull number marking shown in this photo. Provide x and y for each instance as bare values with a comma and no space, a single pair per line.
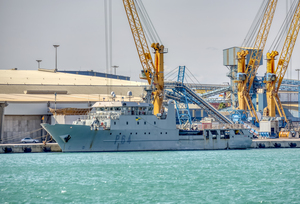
123,139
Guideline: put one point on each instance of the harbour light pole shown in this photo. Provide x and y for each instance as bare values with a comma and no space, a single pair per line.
298,73
38,61
56,46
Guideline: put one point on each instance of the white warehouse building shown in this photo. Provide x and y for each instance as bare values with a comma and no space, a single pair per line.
27,95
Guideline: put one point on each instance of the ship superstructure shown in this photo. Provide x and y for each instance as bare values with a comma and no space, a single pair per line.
132,126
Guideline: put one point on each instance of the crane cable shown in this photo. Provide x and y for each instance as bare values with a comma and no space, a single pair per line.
279,39
192,75
174,73
171,73
149,29
253,30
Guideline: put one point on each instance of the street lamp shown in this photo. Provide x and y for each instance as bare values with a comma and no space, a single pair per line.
39,63
115,67
56,46
298,72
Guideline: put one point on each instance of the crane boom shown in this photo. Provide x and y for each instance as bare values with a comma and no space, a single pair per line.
139,38
275,77
248,74
154,72
260,42
288,47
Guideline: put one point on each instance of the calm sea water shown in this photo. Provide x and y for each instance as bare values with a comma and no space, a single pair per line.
236,176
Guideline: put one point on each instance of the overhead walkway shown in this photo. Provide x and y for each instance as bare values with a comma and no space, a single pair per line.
215,92
178,94
172,84
289,85
215,89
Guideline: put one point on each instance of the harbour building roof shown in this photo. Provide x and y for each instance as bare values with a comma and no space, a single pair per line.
38,86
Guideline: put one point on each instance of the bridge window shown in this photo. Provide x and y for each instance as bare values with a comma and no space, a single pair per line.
214,134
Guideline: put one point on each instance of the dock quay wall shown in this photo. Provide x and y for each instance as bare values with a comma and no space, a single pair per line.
27,148
276,143
53,147
17,127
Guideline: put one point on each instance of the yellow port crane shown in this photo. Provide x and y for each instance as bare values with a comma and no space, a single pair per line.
274,77
153,73
245,76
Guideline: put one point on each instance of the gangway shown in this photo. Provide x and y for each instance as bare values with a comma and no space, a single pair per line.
192,97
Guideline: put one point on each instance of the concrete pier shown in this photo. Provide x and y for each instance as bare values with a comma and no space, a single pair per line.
276,143
29,147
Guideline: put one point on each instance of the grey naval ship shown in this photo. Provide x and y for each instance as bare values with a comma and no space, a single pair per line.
131,126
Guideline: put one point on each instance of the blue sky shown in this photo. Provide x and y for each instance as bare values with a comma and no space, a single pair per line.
195,33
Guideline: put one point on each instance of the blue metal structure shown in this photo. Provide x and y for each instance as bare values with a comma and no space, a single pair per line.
237,116
181,93
215,92
170,85
286,84
183,112
181,72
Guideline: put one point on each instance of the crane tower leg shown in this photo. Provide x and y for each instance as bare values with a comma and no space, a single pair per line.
159,72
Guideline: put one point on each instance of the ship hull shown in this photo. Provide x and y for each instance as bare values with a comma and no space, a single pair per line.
81,138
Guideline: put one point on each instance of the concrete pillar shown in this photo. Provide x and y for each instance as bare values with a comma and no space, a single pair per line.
2,106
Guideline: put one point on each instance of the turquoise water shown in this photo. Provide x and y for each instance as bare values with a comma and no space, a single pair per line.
235,176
